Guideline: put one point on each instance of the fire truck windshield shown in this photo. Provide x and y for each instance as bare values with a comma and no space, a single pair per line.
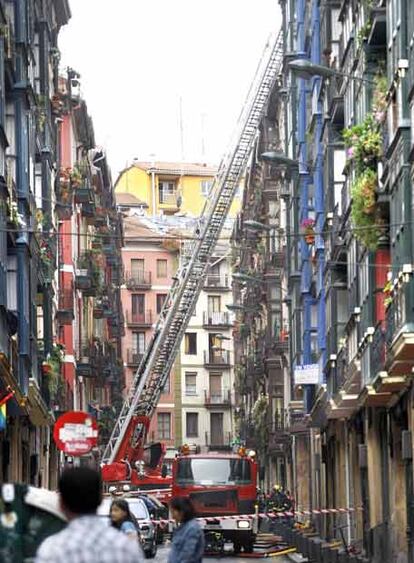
213,471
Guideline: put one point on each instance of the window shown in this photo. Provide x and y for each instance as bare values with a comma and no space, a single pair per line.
190,383
214,304
167,192
161,297
161,268
138,342
192,425
137,268
190,343
164,425
206,186
138,303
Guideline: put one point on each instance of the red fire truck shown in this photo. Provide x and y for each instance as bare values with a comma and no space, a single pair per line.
220,484
136,465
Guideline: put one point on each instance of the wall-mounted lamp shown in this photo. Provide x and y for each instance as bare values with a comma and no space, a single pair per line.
357,314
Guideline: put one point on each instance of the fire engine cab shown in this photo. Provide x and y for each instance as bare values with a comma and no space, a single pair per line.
220,484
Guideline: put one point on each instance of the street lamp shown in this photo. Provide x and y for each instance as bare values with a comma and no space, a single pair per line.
238,276
256,225
306,69
279,158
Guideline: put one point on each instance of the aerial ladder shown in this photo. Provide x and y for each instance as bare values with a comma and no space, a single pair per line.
124,454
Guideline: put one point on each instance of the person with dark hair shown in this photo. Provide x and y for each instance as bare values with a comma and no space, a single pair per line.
122,519
87,538
188,539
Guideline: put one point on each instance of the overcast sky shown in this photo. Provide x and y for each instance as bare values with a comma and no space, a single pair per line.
137,58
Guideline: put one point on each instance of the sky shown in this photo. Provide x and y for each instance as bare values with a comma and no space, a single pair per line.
140,60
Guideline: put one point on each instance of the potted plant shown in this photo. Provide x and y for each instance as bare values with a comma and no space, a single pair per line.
75,178
308,226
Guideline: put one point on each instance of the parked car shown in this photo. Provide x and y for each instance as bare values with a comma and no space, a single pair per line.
147,530
28,515
158,512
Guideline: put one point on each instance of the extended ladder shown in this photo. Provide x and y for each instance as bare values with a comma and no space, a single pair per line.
152,374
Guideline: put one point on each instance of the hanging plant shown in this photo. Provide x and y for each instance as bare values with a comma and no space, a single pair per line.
75,178
364,143
308,227
364,146
363,211
388,294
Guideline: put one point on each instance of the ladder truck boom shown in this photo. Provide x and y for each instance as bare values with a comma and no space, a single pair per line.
127,440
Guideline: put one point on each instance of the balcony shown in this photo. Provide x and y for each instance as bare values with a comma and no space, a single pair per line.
217,359
220,399
85,364
169,199
65,310
83,193
217,282
219,319
88,273
279,436
218,440
138,280
144,319
134,358
400,333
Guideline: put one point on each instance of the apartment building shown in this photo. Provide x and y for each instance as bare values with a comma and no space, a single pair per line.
89,319
168,188
340,165
197,403
28,247
149,264
207,362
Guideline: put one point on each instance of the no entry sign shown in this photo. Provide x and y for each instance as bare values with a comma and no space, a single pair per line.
75,433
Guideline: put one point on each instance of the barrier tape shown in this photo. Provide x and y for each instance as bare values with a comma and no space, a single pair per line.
269,515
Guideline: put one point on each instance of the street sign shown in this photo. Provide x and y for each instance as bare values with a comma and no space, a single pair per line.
307,374
75,433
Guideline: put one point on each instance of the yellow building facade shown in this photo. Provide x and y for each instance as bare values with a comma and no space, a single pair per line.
170,187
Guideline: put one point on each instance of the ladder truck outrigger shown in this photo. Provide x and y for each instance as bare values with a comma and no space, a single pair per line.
126,458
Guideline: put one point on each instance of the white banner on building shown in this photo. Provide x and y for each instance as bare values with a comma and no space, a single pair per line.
307,374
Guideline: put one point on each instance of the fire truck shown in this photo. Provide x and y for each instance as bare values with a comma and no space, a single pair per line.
137,465
220,484
126,458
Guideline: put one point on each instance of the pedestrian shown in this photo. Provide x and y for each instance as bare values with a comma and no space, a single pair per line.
188,538
87,538
122,519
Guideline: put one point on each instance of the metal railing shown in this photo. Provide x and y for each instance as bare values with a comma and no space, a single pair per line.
134,280
167,198
133,357
217,318
378,351
222,397
219,281
217,358
139,319
218,439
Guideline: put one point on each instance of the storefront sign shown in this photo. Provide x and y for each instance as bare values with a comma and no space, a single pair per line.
307,374
76,433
